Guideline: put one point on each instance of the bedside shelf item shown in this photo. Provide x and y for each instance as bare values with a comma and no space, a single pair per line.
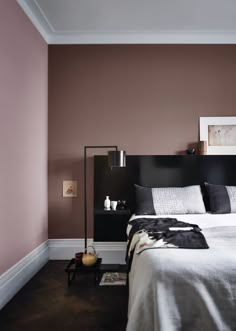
73,268
110,225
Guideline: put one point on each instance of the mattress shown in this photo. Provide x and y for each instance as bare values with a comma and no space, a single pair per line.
172,289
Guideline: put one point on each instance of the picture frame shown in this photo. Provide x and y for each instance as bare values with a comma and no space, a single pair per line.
69,189
219,133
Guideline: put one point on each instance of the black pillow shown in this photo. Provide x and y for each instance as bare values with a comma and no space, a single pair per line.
144,201
222,199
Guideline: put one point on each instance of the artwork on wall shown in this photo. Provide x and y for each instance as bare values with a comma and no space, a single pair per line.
69,188
219,133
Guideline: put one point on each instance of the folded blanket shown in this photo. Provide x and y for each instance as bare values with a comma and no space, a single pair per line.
149,233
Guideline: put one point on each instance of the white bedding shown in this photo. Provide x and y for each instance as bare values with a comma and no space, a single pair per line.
186,289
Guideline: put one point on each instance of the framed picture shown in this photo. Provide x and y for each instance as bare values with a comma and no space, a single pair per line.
69,188
219,134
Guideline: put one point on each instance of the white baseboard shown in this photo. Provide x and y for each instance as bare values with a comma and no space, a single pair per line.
65,249
18,275
111,252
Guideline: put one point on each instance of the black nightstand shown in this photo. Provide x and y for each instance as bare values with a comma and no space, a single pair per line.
110,225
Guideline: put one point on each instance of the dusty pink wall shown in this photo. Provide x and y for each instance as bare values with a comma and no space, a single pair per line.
147,99
23,135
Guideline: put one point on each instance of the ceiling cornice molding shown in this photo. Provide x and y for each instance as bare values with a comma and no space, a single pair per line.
36,17
145,38
41,23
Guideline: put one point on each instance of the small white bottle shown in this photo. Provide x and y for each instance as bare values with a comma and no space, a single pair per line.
107,203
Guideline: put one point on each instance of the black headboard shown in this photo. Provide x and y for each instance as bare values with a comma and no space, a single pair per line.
159,170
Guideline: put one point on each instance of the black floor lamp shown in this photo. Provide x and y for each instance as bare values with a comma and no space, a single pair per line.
115,159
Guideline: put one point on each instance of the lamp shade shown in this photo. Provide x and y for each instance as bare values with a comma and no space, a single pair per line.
116,159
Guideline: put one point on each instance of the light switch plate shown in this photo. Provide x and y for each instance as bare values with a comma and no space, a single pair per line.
69,188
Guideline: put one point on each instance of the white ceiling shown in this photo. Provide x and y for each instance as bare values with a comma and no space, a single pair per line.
133,21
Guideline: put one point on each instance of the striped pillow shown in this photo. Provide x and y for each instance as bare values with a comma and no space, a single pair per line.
222,199
169,200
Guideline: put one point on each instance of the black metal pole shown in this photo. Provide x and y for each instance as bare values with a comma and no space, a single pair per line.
85,198
85,188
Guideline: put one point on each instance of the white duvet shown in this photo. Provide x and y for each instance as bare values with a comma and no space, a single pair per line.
173,289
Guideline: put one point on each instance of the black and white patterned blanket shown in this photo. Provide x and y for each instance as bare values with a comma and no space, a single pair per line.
149,233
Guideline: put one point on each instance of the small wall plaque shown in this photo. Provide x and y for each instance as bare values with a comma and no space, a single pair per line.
69,188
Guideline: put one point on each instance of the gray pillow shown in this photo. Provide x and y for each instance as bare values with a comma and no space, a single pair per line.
169,200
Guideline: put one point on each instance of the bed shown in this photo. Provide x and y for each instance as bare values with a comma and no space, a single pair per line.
173,289
186,289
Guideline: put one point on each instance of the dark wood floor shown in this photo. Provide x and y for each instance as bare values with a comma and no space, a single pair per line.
46,303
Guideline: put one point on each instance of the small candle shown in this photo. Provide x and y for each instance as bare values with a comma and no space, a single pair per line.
203,147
